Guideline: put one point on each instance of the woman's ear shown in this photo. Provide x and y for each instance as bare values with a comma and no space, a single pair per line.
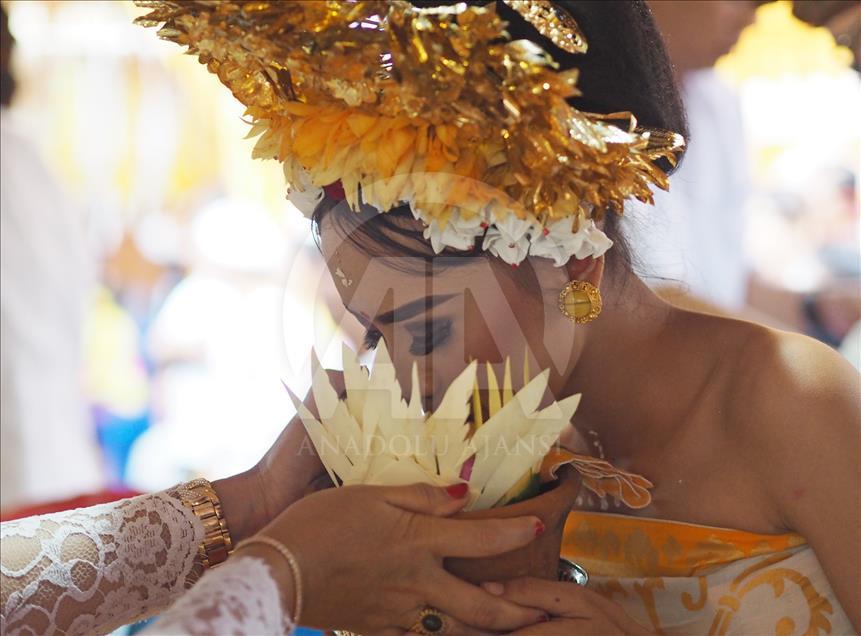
590,270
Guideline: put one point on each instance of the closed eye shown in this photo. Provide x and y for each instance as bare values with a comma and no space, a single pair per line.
425,336
372,337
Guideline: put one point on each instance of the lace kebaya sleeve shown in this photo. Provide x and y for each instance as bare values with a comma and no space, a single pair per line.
91,570
238,597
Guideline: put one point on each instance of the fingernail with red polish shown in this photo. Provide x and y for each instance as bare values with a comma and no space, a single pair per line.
458,491
539,527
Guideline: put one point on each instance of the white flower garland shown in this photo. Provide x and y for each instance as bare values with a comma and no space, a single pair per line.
511,239
304,195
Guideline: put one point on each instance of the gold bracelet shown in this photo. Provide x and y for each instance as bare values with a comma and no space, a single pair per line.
199,496
292,563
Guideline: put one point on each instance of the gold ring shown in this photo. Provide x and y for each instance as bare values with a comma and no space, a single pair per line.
431,622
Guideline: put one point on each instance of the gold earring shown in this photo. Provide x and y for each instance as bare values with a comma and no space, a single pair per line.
580,301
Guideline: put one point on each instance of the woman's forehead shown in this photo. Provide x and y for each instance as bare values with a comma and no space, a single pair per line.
340,249
370,285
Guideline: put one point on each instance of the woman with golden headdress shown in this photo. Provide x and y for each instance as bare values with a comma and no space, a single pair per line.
465,167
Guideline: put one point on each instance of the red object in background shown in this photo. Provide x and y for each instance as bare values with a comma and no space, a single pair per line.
82,501
335,190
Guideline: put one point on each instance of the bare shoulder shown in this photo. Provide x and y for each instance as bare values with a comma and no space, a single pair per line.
783,419
794,414
781,378
797,428
758,364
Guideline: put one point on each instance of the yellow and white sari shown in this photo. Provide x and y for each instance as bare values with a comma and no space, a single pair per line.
682,578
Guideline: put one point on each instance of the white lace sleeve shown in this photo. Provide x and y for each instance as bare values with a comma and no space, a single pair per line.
90,570
238,597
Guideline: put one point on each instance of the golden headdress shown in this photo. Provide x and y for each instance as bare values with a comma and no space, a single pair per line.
434,107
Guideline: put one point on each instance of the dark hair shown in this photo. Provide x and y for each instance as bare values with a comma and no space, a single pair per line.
7,81
625,69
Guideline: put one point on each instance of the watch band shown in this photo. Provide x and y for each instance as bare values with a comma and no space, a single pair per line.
200,497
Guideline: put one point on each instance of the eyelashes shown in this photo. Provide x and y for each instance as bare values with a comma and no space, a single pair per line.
425,337
372,337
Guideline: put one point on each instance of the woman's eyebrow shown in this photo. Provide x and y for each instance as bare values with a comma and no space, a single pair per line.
413,308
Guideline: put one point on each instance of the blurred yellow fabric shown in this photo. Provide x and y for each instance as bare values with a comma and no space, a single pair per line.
113,372
780,44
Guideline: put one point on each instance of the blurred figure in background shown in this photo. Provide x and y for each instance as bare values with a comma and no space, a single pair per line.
47,446
693,249
699,238
841,17
216,351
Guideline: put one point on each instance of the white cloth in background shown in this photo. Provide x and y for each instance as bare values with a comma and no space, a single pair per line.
850,348
695,233
47,445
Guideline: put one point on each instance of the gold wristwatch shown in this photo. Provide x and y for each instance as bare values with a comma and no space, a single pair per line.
200,497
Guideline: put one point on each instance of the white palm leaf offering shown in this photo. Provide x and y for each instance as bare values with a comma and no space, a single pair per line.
374,436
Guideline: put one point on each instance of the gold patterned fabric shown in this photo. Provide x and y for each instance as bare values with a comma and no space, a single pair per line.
681,578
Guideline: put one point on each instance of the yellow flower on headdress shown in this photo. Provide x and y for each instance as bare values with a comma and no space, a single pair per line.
374,92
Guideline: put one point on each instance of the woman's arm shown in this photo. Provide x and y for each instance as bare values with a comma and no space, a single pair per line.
249,594
363,558
94,569
804,439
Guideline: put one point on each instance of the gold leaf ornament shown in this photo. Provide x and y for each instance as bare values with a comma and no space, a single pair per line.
364,91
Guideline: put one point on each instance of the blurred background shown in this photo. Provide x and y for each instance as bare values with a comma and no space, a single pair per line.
157,286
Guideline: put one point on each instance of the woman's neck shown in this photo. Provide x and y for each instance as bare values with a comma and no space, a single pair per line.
633,359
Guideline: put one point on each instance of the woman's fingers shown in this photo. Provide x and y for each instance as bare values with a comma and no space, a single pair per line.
389,631
454,627
567,600
472,606
426,499
558,599
482,537
555,628
411,625
457,629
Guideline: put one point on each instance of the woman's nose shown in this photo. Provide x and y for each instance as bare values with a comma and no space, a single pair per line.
427,388
406,377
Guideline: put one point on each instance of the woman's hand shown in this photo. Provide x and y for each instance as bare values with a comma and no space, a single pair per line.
573,609
289,471
371,559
